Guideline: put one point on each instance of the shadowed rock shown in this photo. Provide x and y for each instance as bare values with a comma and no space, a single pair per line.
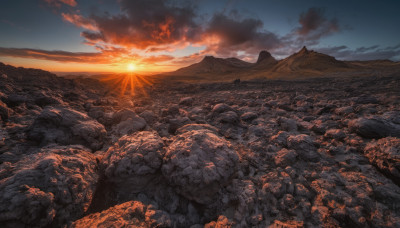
132,161
51,187
66,126
129,214
374,127
198,163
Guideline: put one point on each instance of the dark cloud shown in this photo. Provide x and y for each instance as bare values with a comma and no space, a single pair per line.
145,23
228,35
314,24
363,53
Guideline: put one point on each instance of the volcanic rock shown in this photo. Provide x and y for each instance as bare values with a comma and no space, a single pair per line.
374,127
198,163
385,154
51,187
129,214
66,126
132,161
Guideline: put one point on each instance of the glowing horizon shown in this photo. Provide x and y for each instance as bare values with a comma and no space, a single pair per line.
162,36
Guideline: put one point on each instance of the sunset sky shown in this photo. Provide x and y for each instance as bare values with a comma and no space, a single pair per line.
157,35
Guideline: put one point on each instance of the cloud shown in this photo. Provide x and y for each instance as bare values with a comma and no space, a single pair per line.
145,23
59,3
79,21
226,35
363,53
157,59
314,24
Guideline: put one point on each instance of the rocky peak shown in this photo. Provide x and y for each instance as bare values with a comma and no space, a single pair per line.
303,51
264,55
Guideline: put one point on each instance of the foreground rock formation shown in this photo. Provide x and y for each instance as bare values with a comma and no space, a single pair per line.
321,152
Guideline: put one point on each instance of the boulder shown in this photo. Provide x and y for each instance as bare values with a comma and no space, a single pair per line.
198,163
385,154
132,161
304,145
186,101
374,127
66,126
129,214
49,188
248,116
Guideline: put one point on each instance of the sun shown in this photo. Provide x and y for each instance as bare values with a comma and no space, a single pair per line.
131,67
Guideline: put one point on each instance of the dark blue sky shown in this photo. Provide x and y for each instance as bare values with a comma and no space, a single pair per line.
107,34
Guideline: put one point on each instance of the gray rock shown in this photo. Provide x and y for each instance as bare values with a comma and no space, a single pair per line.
129,214
385,154
219,108
186,101
285,157
198,163
51,187
228,117
304,146
66,126
248,116
374,127
132,161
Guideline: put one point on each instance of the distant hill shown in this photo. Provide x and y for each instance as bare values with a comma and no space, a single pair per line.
309,61
212,65
302,64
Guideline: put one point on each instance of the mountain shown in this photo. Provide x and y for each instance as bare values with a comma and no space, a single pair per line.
264,61
302,64
309,61
212,65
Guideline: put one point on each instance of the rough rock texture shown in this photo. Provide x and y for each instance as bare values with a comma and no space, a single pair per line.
375,127
133,160
320,152
126,122
51,187
129,214
385,154
198,163
66,126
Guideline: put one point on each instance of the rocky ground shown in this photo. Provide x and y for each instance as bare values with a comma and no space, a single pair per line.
309,153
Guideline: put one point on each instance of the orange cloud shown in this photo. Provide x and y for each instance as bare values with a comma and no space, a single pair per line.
58,3
79,21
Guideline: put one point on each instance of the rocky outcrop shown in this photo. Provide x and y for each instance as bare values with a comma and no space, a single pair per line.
49,188
198,163
129,214
66,126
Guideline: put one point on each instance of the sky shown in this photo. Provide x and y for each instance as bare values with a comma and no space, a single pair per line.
164,35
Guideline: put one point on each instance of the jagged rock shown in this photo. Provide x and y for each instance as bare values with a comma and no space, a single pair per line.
4,111
219,108
228,117
287,124
304,145
148,116
186,101
129,214
335,134
285,157
222,222
51,187
198,163
385,154
174,124
374,127
132,161
248,116
66,126
194,127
